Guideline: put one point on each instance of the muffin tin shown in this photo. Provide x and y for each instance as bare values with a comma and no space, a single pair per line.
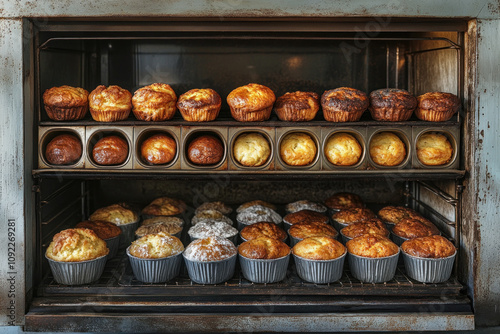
183,134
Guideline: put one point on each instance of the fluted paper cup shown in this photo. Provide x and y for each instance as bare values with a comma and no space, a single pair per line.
155,270
211,272
429,270
77,273
128,233
319,271
264,270
112,244
373,270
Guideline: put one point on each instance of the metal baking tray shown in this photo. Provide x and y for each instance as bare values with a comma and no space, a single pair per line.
188,133
141,133
453,135
357,132
403,132
46,134
94,133
268,132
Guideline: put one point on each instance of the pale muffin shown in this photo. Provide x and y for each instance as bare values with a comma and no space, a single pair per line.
298,149
251,149
155,246
76,245
387,149
343,149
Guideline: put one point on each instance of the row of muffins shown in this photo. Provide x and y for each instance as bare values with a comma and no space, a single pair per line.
248,103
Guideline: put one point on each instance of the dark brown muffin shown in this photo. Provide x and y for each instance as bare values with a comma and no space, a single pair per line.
371,226
103,229
353,215
437,106
205,150
263,229
312,229
412,228
110,150
344,104
434,246
159,149
305,216
199,105
110,104
341,201
297,106
263,248
391,104
319,248
66,103
372,246
251,103
64,149
165,206
155,102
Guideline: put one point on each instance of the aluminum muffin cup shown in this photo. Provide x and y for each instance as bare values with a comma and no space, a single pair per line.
128,233
338,226
373,270
397,239
264,270
155,270
429,270
77,273
211,272
113,244
320,271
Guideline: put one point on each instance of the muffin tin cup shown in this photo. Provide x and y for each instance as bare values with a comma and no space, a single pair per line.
453,135
267,132
428,270
77,273
233,239
113,245
189,133
141,133
46,134
314,133
94,133
128,234
211,272
264,270
404,133
357,132
155,270
319,271
373,270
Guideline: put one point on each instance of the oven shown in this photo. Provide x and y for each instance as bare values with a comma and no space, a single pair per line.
286,53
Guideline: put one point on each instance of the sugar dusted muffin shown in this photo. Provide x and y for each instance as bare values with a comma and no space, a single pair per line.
210,249
437,106
110,104
298,149
256,214
341,201
305,205
209,228
199,105
344,104
392,105
76,245
251,103
66,103
251,149
255,202
434,149
164,224
319,248
155,102
387,149
165,206
211,215
217,206
262,229
297,106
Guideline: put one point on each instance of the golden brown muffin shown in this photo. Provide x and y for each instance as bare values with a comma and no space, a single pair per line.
341,201
76,245
353,215
64,149
210,249
305,205
434,246
211,215
205,150
372,246
387,149
343,149
395,214
298,149
437,106
305,216
297,106
165,220
251,149
246,205
251,103
155,103
103,229
434,149
159,149
319,248
412,228
371,226
110,150
66,103
263,248
217,206
344,104
110,104
312,229
199,105
392,105
165,206
156,246
116,214
170,227
209,228
263,229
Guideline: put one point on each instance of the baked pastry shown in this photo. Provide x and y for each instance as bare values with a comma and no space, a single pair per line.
110,104
217,206
164,206
251,149
205,150
155,102
199,105
255,202
110,150
66,103
76,245
116,214
387,149
103,229
297,106
298,149
353,215
391,104
371,226
343,149
372,246
319,248
257,214
341,201
251,103
210,249
210,228
434,246
304,216
312,229
210,215
305,205
434,149
437,106
159,149
395,214
166,220
263,248
262,229
155,246
170,225
65,149
412,228
344,104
